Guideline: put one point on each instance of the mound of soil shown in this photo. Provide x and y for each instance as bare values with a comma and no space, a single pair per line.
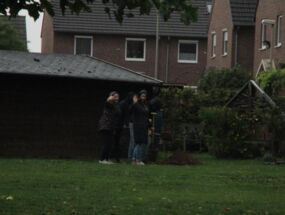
180,158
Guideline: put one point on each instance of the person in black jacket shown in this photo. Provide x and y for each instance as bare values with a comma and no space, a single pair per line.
108,124
140,118
123,123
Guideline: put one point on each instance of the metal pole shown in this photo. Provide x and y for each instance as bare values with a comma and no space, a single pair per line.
271,46
157,45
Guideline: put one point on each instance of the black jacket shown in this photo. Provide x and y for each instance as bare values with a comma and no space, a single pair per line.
140,117
125,111
109,120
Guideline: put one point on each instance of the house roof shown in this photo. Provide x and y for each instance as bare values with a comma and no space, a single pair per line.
98,22
19,24
63,65
244,12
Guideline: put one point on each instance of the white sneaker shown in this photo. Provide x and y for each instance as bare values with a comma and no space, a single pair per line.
103,162
106,162
140,163
109,162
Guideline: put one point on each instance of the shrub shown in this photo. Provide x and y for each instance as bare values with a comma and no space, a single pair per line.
233,78
218,86
272,82
181,108
226,133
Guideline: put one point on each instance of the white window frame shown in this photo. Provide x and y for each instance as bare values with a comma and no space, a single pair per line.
196,42
126,48
83,37
225,53
263,36
213,44
278,42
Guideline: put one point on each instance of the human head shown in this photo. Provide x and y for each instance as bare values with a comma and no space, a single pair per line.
143,95
115,95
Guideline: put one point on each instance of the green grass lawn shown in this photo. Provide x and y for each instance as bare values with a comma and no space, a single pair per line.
65,187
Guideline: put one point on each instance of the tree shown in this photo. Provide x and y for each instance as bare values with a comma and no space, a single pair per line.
117,8
10,39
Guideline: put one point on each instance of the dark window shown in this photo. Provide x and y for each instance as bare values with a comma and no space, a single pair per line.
135,49
225,42
263,35
188,52
83,46
214,44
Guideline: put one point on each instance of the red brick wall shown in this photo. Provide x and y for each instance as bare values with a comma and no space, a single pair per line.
112,48
269,9
47,34
221,18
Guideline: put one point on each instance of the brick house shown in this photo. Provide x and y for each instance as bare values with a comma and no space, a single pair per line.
231,34
182,49
270,35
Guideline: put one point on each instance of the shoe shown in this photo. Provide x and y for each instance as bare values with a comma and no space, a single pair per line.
134,162
106,162
103,162
109,162
140,163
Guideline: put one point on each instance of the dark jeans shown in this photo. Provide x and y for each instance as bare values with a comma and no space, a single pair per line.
108,137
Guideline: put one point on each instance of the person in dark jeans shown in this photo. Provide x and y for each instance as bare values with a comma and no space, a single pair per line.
123,123
108,124
140,117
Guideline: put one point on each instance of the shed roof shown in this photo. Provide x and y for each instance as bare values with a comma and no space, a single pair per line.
63,65
98,22
244,12
19,23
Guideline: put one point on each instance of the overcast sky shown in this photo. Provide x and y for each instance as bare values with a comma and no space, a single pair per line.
33,32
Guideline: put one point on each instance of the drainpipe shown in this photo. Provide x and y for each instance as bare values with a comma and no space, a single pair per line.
236,46
271,47
156,45
167,60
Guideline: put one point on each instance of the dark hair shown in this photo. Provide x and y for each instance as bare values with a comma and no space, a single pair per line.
142,92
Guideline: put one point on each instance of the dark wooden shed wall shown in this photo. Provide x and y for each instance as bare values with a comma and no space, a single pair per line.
53,117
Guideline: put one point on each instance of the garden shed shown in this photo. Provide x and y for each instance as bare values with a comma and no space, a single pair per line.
50,104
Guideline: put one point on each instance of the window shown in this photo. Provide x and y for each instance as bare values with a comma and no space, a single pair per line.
263,35
225,42
135,49
278,42
187,51
83,45
214,45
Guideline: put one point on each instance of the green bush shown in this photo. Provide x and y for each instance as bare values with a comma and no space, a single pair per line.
272,82
226,133
10,38
233,78
181,108
218,86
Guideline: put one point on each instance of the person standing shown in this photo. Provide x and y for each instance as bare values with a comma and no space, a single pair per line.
123,123
108,124
140,117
